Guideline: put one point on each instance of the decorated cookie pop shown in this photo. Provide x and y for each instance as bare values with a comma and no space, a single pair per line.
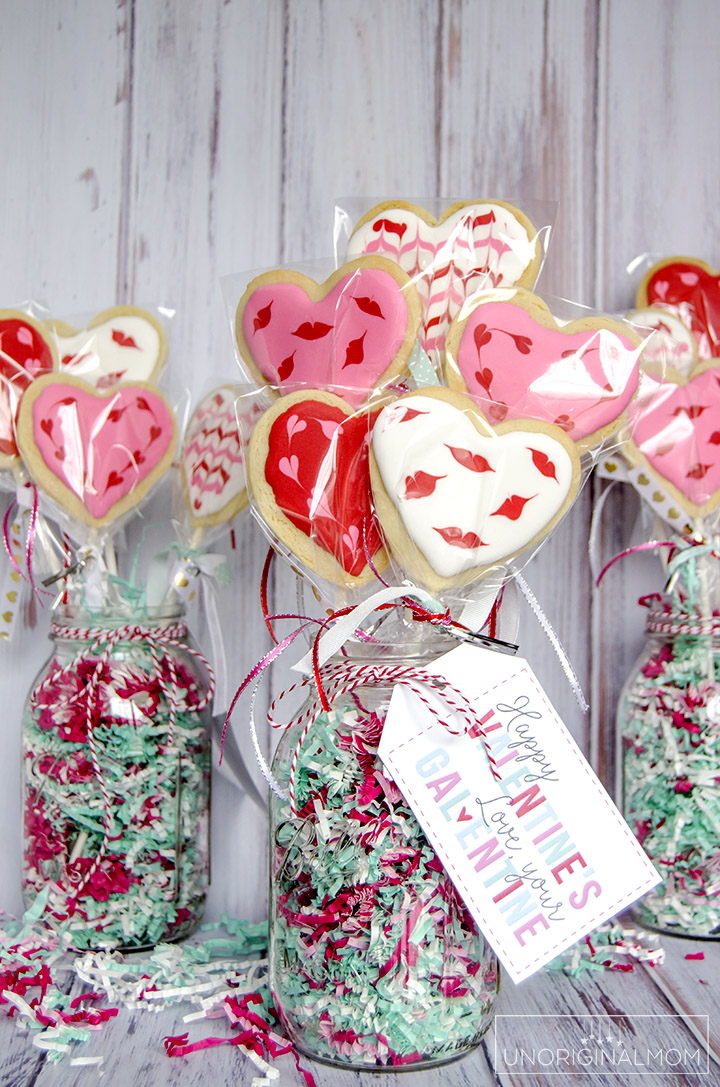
457,497
213,457
26,352
309,478
95,454
120,345
471,247
506,350
350,335
690,290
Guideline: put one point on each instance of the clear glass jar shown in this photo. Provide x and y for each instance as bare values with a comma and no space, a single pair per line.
669,722
116,781
375,963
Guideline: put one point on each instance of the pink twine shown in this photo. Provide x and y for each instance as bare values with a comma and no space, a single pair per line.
29,543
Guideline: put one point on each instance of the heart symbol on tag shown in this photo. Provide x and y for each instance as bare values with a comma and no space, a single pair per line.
96,454
213,456
674,430
121,345
471,247
455,496
690,290
311,484
516,362
349,335
26,353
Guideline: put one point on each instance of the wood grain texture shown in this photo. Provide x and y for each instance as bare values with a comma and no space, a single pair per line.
154,148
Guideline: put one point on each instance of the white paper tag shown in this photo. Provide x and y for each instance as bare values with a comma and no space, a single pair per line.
541,856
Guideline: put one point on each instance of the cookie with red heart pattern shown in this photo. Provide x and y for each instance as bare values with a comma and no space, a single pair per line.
309,478
456,497
97,455
26,353
690,290
507,351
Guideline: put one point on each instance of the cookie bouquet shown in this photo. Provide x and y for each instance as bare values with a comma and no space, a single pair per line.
116,747
669,710
428,421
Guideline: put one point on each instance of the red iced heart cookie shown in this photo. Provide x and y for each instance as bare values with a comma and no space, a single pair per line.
121,345
516,362
690,289
471,247
308,475
213,456
674,428
349,335
96,454
25,353
457,497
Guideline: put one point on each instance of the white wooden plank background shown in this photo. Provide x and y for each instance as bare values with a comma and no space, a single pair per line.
153,146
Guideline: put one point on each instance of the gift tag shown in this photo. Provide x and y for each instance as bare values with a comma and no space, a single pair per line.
539,853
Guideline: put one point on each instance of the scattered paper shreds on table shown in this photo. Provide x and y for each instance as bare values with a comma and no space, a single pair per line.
610,947
221,975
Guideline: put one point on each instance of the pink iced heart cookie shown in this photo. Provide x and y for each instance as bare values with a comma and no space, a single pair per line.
674,432
213,456
516,362
120,345
96,454
26,352
349,335
471,247
457,497
308,475
689,289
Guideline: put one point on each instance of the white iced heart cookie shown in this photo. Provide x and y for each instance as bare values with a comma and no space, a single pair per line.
455,496
120,345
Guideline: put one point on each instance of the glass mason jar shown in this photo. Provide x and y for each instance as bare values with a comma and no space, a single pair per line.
375,963
116,776
669,721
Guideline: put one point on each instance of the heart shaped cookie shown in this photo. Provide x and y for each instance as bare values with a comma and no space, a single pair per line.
672,344
507,351
26,352
121,345
308,476
457,497
471,247
96,454
690,289
674,434
213,456
349,335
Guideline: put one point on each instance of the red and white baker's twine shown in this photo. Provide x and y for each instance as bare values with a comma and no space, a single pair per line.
679,623
345,679
157,640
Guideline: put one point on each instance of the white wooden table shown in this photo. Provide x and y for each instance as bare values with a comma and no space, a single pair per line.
152,146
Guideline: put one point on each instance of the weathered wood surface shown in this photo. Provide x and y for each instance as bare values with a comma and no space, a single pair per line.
153,147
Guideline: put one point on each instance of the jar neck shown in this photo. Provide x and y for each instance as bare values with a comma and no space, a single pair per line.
83,625
672,624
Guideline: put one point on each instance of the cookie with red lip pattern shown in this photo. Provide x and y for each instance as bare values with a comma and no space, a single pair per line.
350,335
674,433
96,454
457,497
121,345
309,478
507,351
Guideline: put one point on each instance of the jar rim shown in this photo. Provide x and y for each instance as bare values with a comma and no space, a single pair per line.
74,615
